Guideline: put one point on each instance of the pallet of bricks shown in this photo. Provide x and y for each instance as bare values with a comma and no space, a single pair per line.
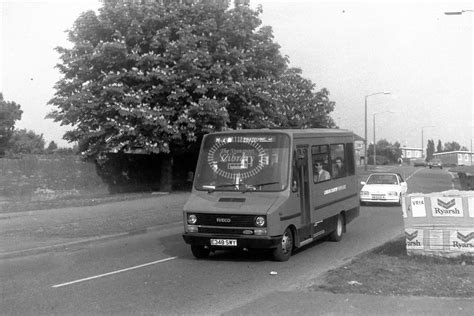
439,224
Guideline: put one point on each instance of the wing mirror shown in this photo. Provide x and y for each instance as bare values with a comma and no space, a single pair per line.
294,186
363,183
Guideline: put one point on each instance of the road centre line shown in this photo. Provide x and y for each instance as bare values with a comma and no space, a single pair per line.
418,170
113,272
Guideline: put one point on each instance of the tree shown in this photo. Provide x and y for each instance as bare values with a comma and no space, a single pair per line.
52,147
158,75
386,152
26,142
451,146
430,148
10,112
439,147
295,105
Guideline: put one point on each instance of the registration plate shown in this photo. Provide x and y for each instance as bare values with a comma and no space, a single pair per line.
224,242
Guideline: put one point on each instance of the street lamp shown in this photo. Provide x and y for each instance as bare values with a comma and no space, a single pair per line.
365,138
470,153
422,150
457,12
375,155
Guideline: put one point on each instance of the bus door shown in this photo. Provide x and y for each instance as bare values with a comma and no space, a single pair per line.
303,183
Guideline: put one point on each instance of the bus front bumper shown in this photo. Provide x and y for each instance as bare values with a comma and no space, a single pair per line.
241,241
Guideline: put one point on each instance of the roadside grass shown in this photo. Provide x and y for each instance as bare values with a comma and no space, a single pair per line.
388,271
22,205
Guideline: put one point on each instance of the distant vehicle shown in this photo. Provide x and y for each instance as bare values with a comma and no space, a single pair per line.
436,163
419,162
383,188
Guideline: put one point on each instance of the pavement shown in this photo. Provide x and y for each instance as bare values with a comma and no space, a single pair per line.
42,231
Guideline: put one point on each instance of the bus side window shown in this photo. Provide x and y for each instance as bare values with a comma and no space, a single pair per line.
320,162
350,161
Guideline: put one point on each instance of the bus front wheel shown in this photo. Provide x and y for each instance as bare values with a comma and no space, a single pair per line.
336,234
285,247
200,252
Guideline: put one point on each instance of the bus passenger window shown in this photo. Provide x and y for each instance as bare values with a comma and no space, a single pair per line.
320,159
349,161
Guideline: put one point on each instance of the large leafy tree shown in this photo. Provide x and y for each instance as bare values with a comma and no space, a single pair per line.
10,112
157,75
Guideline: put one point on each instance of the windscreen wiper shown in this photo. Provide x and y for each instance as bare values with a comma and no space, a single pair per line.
253,187
212,188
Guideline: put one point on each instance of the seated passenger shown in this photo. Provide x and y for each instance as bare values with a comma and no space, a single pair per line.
339,170
320,174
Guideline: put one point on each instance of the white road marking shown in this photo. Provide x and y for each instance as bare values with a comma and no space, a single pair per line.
413,174
114,272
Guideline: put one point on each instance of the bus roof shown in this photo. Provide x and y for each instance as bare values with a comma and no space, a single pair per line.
310,132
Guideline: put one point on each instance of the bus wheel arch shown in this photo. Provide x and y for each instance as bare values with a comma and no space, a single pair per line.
285,248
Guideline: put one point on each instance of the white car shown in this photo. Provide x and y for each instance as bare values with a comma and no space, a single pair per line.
383,188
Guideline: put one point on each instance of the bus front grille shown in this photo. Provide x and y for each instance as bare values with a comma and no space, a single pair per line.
221,231
229,220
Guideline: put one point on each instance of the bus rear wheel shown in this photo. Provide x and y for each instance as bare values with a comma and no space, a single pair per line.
336,234
200,252
285,247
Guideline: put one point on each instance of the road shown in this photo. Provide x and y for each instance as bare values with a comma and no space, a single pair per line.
156,273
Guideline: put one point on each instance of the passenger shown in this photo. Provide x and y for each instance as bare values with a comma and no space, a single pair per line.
320,174
339,170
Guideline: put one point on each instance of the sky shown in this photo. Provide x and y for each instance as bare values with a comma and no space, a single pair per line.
410,49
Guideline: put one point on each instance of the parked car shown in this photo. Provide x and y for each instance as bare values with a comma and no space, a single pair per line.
419,162
383,188
435,163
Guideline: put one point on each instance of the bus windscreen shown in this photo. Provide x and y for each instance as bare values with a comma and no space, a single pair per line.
250,162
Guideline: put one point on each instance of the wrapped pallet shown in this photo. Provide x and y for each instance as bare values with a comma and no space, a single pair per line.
439,224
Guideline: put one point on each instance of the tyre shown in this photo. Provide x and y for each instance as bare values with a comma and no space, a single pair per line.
284,249
336,234
200,252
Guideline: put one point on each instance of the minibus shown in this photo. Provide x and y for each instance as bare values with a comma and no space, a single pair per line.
275,189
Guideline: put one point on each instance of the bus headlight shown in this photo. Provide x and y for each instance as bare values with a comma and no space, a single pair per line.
192,219
260,221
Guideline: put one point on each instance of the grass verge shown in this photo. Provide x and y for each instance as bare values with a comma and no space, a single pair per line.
20,205
389,271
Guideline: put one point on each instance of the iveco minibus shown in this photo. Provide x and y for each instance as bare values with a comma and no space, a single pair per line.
271,189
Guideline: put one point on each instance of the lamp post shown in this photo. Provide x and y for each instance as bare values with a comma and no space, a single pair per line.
422,150
457,12
365,137
375,155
